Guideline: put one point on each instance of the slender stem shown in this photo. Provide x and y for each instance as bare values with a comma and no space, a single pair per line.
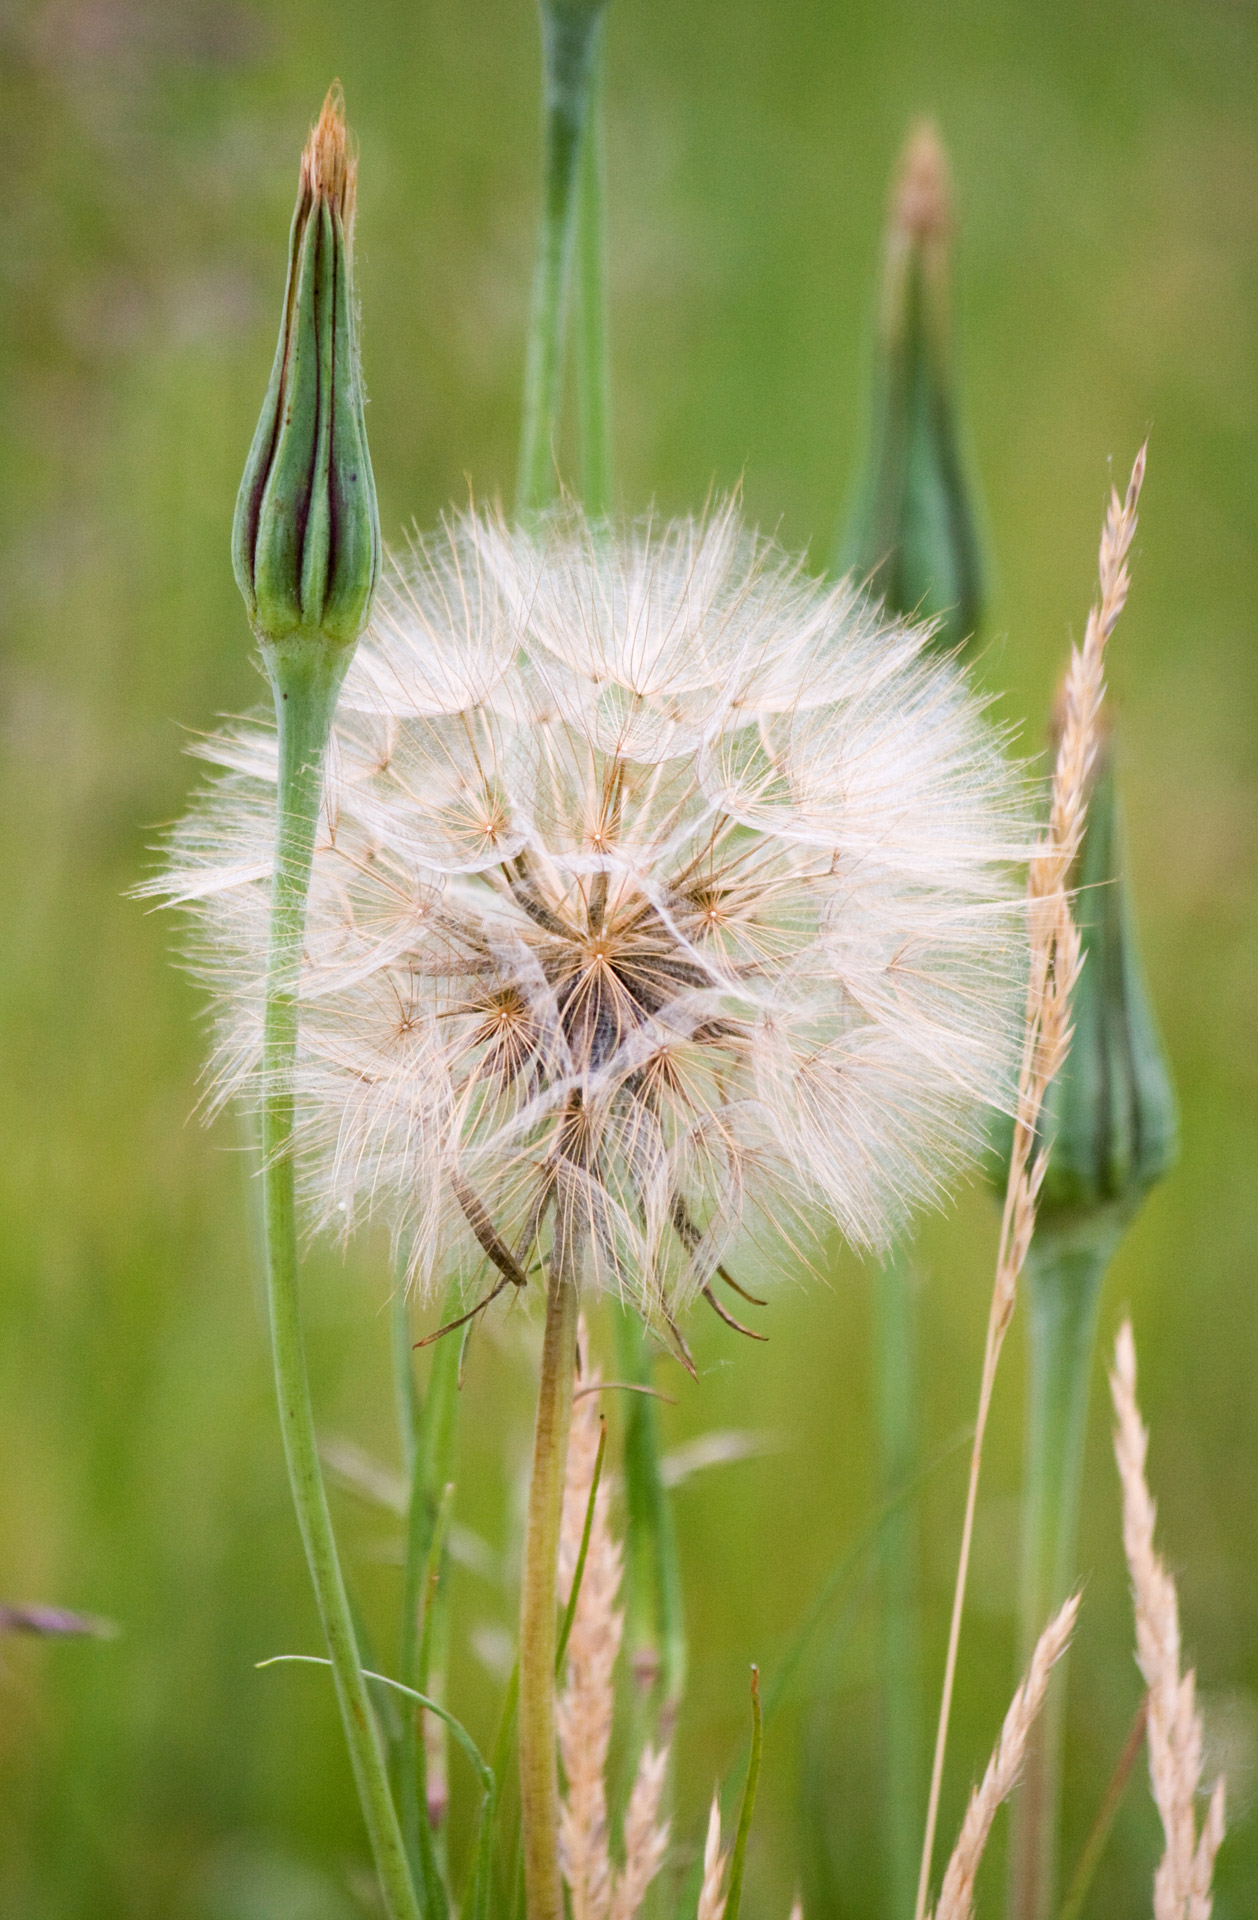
306,675
734,1893
895,1375
593,356
571,187
432,1784
655,1622
841,1580
432,1461
996,1327
570,33
405,1390
1064,1274
583,1552
539,1776
655,1625
1094,1845
476,1900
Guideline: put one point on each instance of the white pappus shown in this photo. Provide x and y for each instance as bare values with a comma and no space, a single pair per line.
655,881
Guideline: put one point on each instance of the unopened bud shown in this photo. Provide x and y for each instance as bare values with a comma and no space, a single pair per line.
912,531
306,539
1110,1117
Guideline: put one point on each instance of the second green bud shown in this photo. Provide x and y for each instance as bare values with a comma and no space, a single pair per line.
912,528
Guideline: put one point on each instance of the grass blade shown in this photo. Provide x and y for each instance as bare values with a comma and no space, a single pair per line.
1094,1846
655,1627
480,1887
570,1611
456,1727
848,1566
735,1893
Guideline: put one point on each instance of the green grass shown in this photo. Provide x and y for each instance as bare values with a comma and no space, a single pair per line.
1108,168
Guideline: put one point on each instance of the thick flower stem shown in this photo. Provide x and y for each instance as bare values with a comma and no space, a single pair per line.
593,356
570,35
895,1368
539,1777
1064,1275
306,674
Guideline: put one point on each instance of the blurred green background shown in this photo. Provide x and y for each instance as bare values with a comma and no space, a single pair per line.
1107,164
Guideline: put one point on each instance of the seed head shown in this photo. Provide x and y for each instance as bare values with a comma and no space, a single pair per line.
655,882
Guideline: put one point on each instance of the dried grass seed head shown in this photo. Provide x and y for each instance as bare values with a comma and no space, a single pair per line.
1183,1882
656,882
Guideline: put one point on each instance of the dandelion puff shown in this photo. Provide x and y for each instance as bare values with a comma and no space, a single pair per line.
1181,1888
653,879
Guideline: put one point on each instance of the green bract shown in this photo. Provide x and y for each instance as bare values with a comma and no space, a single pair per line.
912,528
306,538
1110,1116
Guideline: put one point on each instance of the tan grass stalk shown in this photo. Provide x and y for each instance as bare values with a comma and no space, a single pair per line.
1181,1888
956,1901
712,1892
1054,966
586,1705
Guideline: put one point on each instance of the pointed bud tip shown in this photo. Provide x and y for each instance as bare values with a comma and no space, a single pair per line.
921,207
912,530
306,535
329,170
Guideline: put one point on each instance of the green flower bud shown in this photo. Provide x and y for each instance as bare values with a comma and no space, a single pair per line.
1109,1118
912,529
306,539
1110,1115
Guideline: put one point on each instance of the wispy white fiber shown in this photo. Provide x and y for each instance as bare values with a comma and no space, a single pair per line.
655,880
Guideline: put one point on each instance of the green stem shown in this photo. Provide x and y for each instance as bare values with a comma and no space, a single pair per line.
583,1552
655,1626
570,34
477,1899
841,1579
1064,1273
734,1894
433,1638
895,1385
305,675
593,356
539,1776
431,1463
1094,1846
405,1390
